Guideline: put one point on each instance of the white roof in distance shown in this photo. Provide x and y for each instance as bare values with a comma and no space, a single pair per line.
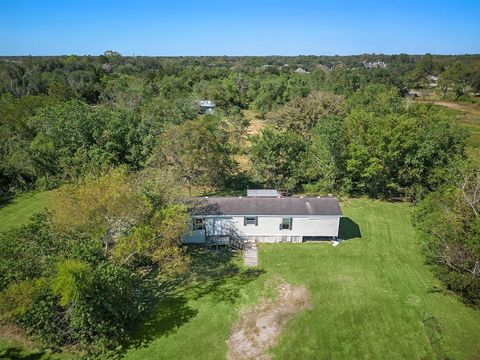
206,103
262,193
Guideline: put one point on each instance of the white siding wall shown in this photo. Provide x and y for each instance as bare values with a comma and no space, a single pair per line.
268,228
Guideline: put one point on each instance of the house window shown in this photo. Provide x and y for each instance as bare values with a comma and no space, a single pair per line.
198,224
286,224
250,220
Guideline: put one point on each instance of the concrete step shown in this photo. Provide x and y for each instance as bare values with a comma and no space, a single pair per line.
250,255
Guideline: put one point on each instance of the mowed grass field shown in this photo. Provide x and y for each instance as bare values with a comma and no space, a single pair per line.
20,209
372,298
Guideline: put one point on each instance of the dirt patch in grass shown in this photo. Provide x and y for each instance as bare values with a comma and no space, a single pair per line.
472,109
259,327
256,124
14,334
449,105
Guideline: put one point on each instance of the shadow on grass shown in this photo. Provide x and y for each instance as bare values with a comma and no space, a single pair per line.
213,273
349,229
236,185
16,353
171,313
5,199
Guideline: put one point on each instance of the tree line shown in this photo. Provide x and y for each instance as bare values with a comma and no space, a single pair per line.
127,102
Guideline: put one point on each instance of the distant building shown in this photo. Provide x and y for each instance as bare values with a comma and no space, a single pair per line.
323,67
374,64
432,80
300,70
207,106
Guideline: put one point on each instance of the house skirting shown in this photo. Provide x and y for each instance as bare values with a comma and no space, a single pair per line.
272,239
275,239
224,239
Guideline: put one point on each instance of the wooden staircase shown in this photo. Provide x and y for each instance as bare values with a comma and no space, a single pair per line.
236,242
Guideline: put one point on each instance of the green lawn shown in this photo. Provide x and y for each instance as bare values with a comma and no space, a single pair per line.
19,210
372,298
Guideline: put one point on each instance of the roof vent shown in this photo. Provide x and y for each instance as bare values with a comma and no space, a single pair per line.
262,193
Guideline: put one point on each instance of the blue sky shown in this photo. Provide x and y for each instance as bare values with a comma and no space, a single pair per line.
230,27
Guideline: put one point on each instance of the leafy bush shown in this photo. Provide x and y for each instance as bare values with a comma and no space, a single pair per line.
72,278
449,222
19,297
61,283
28,252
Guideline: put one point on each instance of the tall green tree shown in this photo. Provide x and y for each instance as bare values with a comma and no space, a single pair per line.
323,165
198,151
73,139
453,79
401,153
276,158
302,114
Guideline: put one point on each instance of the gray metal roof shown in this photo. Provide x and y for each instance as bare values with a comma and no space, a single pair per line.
262,193
266,206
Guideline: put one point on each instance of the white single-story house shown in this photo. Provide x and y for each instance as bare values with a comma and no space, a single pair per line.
263,219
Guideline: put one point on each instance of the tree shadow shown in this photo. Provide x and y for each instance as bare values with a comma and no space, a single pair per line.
5,199
349,229
213,273
17,353
171,313
216,274
237,183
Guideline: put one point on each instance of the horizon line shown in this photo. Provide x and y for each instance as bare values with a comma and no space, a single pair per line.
267,55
